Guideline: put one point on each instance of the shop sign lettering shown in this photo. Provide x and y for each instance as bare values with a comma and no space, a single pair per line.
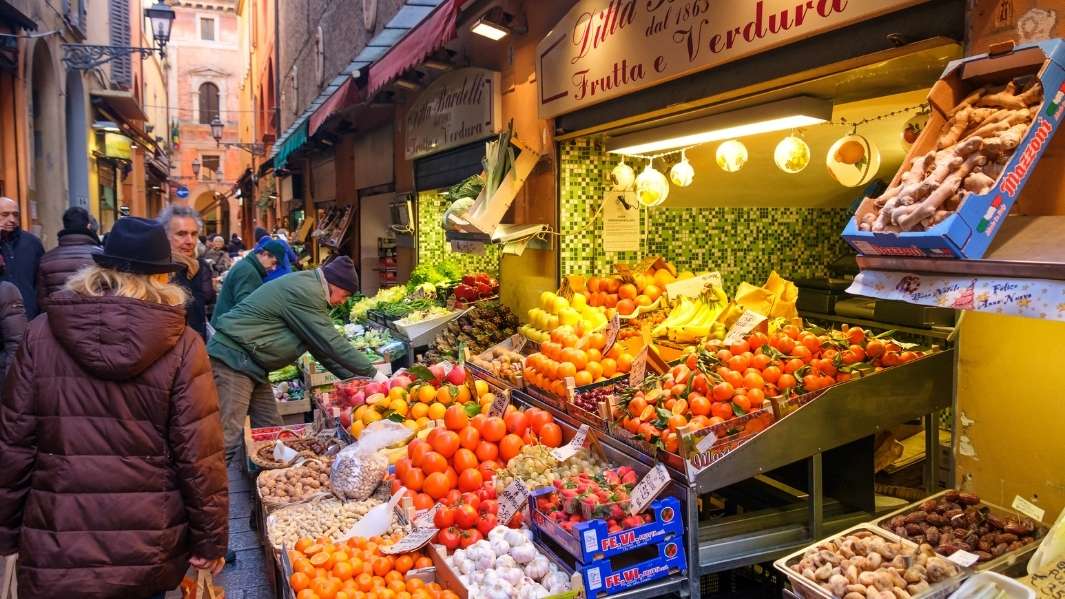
603,49
457,108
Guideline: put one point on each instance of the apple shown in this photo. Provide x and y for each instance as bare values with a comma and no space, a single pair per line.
457,376
438,372
400,380
375,387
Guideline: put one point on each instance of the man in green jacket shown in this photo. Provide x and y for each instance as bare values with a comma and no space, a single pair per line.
269,329
246,276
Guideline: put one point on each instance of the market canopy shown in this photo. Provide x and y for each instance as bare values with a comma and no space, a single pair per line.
295,139
432,33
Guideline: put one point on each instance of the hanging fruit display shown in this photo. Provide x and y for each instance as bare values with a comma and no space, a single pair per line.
792,154
853,160
623,176
731,155
651,187
682,174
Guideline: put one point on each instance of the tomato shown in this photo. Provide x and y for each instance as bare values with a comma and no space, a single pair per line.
516,521
444,518
485,523
516,422
551,435
448,537
487,492
537,419
488,506
469,537
452,497
465,516
471,499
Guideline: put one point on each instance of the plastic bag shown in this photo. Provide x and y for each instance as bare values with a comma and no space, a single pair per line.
359,468
1051,550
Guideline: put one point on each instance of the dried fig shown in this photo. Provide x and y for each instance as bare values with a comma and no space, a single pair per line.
968,499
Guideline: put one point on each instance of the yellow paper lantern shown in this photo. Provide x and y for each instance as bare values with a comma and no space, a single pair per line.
731,155
853,160
651,187
682,174
792,154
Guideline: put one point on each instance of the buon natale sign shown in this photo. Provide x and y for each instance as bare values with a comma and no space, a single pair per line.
603,49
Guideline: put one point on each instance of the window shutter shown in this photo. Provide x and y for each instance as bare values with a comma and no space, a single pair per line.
121,67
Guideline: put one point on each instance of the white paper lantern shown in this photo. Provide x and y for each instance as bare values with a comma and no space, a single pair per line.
682,174
651,187
731,155
853,160
792,154
623,176
912,128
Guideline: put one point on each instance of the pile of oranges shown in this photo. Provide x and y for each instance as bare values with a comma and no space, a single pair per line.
465,453
625,295
358,570
569,355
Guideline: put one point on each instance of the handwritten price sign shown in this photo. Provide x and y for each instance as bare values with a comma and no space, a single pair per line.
612,331
424,519
412,542
570,449
743,325
511,501
647,489
500,403
638,370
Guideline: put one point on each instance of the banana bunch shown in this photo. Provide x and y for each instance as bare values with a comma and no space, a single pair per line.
693,320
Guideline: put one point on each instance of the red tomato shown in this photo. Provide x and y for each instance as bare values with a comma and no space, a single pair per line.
486,523
448,537
466,516
444,518
488,506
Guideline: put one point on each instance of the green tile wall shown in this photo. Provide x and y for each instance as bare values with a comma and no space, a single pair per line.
740,243
433,248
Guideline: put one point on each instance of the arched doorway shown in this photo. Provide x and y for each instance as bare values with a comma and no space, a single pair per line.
47,197
77,142
215,213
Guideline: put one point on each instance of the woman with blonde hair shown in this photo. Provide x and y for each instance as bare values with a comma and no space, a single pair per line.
112,471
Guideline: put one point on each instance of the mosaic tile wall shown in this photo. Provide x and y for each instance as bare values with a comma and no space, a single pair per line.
433,248
740,243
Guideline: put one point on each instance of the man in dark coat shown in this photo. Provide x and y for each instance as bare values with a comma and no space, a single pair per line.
77,243
22,253
183,226
246,276
236,245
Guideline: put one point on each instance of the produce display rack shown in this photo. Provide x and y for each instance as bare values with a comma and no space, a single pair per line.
807,475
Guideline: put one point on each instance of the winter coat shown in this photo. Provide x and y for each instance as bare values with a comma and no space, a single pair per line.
280,321
58,264
201,290
245,277
112,468
219,260
22,253
12,324
283,266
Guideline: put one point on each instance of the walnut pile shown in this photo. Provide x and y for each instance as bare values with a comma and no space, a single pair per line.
956,521
863,565
972,150
295,483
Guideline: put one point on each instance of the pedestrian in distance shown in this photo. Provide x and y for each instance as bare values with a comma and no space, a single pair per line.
12,323
77,243
112,473
22,253
182,226
285,266
246,276
217,256
236,245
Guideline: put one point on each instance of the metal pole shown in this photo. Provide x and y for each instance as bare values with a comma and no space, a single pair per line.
817,498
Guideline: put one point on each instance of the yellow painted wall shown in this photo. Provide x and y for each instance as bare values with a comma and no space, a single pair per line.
1010,388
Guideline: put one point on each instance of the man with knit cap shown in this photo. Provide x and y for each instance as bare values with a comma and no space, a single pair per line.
270,329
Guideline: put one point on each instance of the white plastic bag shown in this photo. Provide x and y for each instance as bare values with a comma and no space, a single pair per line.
359,468
1051,550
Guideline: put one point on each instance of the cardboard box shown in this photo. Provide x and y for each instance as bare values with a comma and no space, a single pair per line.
968,232
601,578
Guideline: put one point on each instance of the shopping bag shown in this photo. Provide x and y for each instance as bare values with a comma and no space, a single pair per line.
8,589
201,587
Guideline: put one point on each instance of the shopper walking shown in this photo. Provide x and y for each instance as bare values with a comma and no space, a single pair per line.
269,329
22,253
12,323
77,243
285,266
246,276
217,256
112,477
182,226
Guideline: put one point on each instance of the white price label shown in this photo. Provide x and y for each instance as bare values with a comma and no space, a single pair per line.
500,403
424,518
638,370
706,442
1028,508
743,325
693,287
511,501
963,558
283,453
612,331
571,388
570,449
517,342
417,539
647,489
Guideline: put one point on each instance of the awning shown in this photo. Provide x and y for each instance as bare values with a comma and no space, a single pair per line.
347,95
428,37
12,15
266,167
122,103
295,139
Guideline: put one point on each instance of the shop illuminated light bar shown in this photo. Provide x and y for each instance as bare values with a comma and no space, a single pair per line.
801,111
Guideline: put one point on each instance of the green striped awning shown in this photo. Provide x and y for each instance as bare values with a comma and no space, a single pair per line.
292,143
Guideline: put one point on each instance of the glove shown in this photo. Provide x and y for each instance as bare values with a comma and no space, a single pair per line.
380,377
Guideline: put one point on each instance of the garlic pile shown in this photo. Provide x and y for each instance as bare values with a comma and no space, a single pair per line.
507,565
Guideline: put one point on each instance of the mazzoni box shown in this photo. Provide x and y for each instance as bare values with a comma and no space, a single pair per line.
968,232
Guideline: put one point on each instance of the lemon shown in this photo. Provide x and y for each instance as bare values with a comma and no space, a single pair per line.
419,410
436,411
359,411
370,416
397,393
482,387
399,406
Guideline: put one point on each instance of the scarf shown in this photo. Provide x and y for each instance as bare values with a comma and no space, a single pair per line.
191,264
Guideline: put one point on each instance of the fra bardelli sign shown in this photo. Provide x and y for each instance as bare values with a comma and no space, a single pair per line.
457,108
603,49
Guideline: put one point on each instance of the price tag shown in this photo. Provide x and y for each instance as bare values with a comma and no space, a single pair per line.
464,355
511,501
612,331
517,342
571,388
706,442
1028,508
283,453
467,247
500,403
692,287
568,450
1049,582
647,489
743,325
417,539
638,370
963,558
424,518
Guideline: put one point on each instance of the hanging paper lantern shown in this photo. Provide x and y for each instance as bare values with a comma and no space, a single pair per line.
682,174
853,160
623,176
912,129
651,187
792,154
731,155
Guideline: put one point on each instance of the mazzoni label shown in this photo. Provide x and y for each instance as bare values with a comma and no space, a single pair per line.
1011,182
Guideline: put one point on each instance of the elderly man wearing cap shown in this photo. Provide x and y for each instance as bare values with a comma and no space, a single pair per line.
246,276
270,329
